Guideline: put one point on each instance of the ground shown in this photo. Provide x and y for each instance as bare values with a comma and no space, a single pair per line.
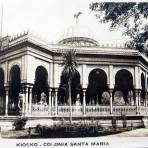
142,132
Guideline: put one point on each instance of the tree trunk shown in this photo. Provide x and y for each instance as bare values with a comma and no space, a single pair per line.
69,98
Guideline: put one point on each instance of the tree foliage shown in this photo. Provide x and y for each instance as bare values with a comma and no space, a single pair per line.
130,15
69,59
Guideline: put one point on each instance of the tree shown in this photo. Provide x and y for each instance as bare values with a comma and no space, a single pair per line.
69,59
130,15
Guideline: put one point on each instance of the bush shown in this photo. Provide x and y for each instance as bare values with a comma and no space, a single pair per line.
37,128
43,130
19,123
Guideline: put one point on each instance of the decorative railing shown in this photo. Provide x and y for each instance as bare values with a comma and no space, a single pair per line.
39,110
94,110
97,110
65,110
142,110
126,110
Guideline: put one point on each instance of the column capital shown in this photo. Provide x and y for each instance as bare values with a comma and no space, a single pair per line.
137,90
111,90
84,89
50,89
55,89
6,85
27,85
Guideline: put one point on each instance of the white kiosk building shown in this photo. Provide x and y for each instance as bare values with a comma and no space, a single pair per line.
111,79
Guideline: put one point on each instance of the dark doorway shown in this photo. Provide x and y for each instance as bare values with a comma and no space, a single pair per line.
41,84
76,89
15,86
124,83
2,93
97,85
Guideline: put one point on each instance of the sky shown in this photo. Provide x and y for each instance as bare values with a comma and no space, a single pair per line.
50,18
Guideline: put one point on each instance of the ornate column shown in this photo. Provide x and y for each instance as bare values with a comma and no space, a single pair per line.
139,97
111,86
23,109
84,76
23,105
56,101
26,88
50,101
30,98
111,100
7,101
84,102
26,100
137,93
146,97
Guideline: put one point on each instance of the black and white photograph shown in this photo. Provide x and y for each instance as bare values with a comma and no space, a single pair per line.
73,73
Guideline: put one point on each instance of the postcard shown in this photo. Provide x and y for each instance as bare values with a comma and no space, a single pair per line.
73,74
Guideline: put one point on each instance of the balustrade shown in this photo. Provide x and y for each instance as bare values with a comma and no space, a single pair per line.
40,110
142,110
126,110
97,110
76,110
90,110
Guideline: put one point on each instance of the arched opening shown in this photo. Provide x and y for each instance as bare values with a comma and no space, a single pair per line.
15,86
2,93
142,88
40,85
97,85
123,83
76,89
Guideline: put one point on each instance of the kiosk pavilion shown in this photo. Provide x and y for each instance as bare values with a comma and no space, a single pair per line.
111,80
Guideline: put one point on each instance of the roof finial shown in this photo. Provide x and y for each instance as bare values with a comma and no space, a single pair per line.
76,16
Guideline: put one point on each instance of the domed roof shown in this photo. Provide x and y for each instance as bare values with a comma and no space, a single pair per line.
79,36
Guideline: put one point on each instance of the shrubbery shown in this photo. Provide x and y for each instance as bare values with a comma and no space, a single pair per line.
68,130
19,123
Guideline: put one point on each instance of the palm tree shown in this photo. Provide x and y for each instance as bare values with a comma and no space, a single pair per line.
69,59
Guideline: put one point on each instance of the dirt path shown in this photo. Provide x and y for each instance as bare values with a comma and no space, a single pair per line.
142,132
